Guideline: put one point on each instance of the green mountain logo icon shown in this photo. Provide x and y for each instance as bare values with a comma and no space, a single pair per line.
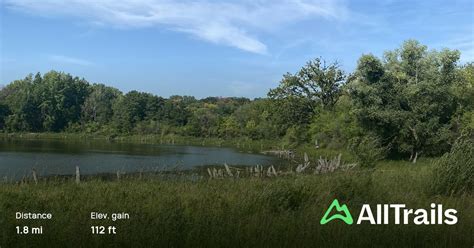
346,216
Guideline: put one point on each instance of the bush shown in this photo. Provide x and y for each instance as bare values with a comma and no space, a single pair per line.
293,137
367,150
335,127
454,172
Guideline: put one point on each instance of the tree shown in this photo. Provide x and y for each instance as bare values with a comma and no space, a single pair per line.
176,111
98,105
22,102
335,128
204,121
4,112
370,68
290,112
229,127
60,97
257,120
135,107
408,100
464,91
317,82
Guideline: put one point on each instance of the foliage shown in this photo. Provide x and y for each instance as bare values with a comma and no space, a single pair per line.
317,81
408,100
4,112
204,121
333,129
367,151
97,107
454,172
293,137
229,127
135,107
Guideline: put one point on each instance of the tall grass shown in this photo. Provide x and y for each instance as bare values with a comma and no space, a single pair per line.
454,172
246,212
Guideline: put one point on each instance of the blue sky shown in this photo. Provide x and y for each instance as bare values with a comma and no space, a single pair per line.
215,48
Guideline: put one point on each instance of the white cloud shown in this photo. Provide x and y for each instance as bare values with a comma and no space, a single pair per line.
232,23
69,60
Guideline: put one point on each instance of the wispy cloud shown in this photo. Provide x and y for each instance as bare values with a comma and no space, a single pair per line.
228,22
69,60
466,46
464,43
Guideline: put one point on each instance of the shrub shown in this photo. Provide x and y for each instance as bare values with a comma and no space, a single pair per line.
367,150
454,172
293,137
333,128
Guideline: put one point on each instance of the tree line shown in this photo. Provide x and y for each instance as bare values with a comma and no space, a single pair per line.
411,101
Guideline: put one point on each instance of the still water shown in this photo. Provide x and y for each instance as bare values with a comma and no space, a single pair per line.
60,157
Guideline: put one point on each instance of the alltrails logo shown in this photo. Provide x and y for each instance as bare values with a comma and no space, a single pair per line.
386,213
347,217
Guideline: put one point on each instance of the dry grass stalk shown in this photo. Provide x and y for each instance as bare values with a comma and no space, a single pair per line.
35,178
271,171
331,165
227,169
78,175
301,167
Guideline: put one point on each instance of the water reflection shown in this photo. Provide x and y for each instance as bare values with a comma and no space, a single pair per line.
18,157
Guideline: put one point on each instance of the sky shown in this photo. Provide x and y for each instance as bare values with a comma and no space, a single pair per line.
215,48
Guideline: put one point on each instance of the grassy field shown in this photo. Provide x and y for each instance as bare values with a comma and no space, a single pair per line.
247,212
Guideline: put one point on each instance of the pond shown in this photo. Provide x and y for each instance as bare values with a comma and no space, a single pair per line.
60,157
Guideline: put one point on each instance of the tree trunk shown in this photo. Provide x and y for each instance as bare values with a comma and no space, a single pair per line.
416,156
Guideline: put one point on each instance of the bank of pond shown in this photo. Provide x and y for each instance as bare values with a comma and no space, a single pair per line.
18,157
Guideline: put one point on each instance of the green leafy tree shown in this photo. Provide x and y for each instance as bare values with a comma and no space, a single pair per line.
135,107
60,98
22,101
464,90
317,81
98,105
4,112
204,121
408,99
336,127
176,110
257,120
229,127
